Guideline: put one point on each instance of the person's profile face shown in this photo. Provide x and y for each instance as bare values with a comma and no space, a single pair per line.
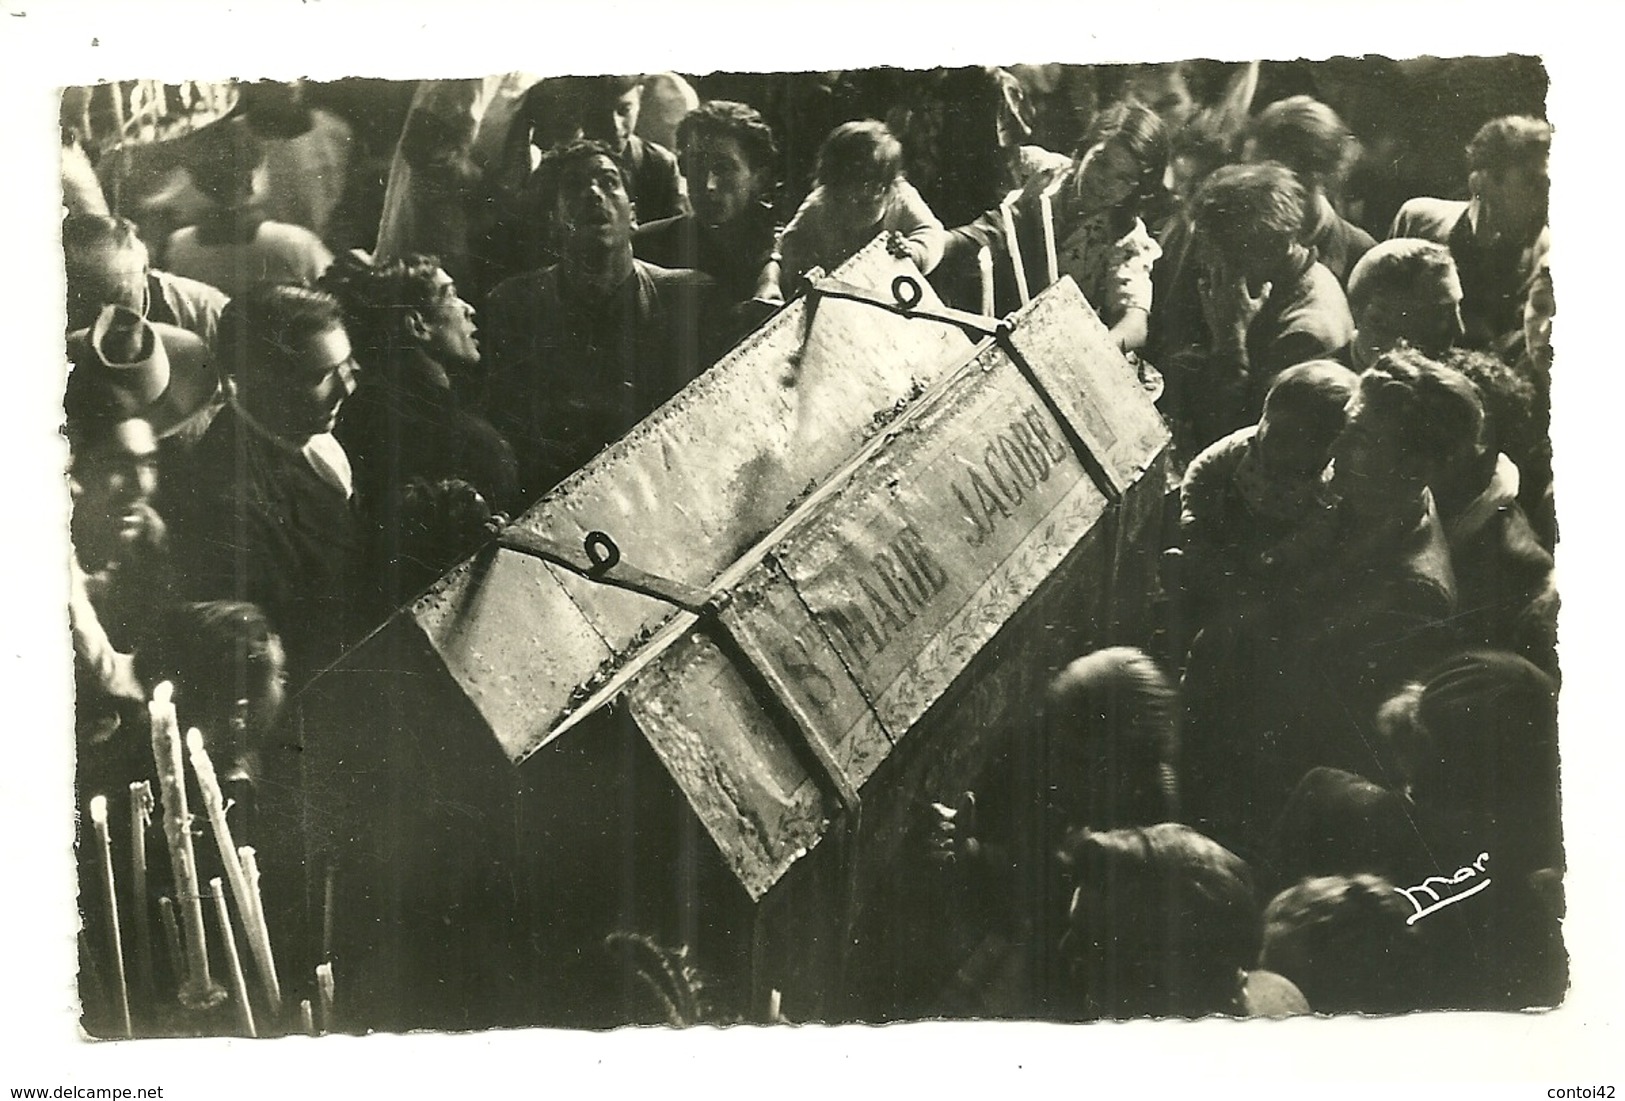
1368,472
1514,200
302,396
453,339
594,210
1293,448
722,185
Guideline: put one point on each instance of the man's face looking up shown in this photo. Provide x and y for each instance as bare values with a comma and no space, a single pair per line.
594,210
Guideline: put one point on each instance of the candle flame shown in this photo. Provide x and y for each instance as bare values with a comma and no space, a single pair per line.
163,694
194,740
98,809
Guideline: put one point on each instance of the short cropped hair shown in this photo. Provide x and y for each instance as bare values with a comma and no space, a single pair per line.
1243,204
1511,141
1316,392
728,119
1435,411
1404,266
263,329
859,154
1181,914
1308,137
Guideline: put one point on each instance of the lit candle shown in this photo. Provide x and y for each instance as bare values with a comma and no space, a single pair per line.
234,963
141,817
214,804
98,818
324,989
198,988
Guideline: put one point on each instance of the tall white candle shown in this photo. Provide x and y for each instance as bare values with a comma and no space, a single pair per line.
214,805
198,989
234,963
98,818
140,817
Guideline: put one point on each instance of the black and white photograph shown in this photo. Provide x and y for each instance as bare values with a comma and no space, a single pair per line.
697,548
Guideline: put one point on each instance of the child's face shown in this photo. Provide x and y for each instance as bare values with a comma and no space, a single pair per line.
1294,447
858,204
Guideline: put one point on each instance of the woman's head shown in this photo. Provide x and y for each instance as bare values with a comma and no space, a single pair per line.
729,159
1304,413
858,165
1121,159
1163,922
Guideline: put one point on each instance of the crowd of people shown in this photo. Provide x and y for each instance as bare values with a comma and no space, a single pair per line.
280,431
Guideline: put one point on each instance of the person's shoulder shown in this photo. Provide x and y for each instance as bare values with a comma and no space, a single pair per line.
662,232
1428,218
1316,303
523,286
1224,453
673,277
656,153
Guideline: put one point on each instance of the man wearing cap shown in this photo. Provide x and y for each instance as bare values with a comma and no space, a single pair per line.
120,397
263,509
158,372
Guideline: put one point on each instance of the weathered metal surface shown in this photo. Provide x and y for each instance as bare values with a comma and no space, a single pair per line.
1079,366
683,495
872,599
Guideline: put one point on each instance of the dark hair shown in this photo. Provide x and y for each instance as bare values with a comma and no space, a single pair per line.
1180,920
221,161
1511,141
1250,205
1308,137
1436,410
1513,417
83,231
373,296
1143,133
1318,390
265,327
1342,940
1402,266
859,154
728,119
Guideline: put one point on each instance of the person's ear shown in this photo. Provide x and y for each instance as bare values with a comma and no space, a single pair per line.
417,329
1475,183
